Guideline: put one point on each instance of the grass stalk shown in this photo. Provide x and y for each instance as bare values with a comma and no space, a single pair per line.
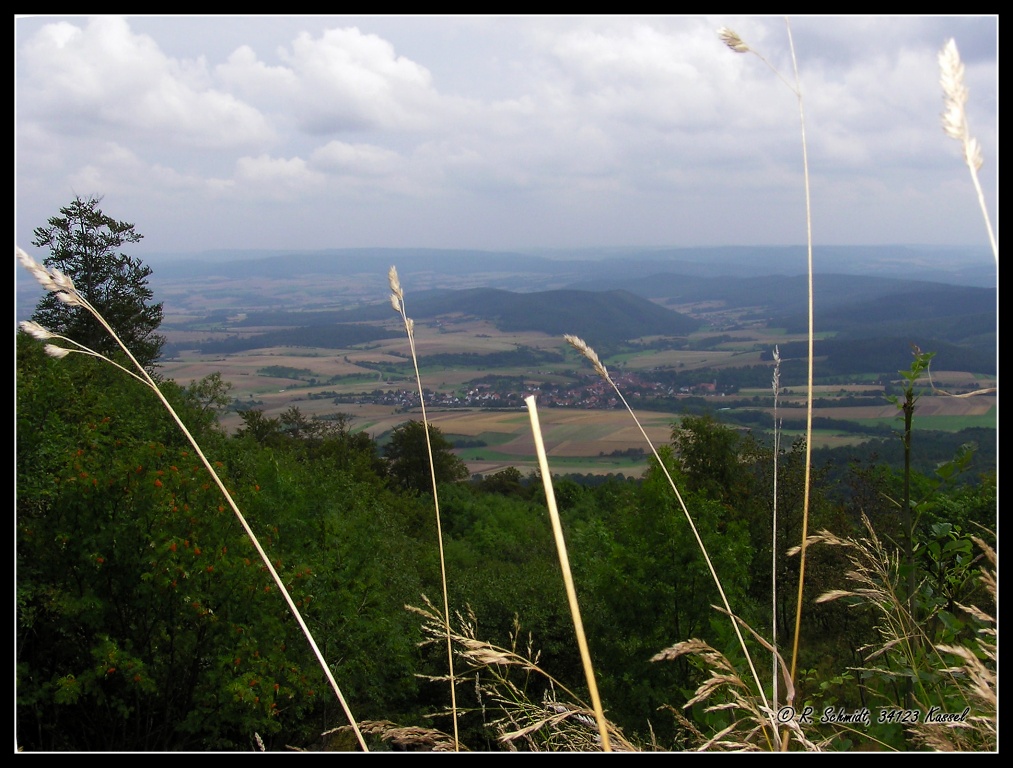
809,374
564,562
397,302
558,721
581,346
55,281
776,384
956,127
735,43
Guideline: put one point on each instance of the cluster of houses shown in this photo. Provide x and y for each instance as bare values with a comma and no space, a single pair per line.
591,392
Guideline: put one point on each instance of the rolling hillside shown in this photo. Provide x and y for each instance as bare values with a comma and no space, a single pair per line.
609,317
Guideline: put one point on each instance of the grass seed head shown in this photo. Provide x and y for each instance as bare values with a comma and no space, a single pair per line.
732,40
395,284
951,77
51,279
35,330
581,346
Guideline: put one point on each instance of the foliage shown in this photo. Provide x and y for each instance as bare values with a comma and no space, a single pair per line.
84,244
941,663
145,620
708,455
408,460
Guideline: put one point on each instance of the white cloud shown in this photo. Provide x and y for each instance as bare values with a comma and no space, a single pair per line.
103,79
341,81
275,177
617,128
358,159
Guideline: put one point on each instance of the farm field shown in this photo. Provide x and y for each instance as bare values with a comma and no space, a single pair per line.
580,438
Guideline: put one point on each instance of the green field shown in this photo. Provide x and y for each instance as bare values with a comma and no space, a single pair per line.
940,423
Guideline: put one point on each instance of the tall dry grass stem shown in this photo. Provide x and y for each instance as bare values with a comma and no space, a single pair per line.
951,77
735,43
60,284
581,346
776,384
564,562
397,302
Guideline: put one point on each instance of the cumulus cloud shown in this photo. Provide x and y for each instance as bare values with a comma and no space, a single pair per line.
341,81
358,159
275,177
645,127
103,78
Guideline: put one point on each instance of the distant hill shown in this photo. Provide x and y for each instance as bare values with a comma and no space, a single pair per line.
609,268
922,312
887,355
854,306
780,295
322,336
606,317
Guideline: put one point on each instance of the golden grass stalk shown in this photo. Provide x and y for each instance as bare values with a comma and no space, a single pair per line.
397,302
729,37
951,77
776,384
581,346
564,562
55,281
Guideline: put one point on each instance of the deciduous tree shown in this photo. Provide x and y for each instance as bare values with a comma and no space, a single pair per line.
409,461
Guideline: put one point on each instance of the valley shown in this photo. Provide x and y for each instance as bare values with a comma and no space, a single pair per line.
481,351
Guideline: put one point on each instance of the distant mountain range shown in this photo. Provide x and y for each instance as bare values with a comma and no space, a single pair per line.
934,296
568,268
853,306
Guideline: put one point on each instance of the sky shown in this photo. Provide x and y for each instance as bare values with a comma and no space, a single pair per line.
501,132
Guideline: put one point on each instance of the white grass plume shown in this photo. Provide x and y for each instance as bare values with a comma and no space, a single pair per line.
951,77
776,385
